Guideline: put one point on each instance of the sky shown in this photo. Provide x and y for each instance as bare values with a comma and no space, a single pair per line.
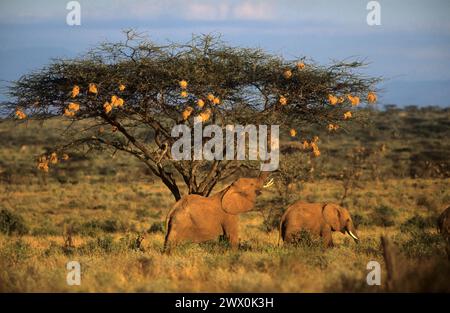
410,49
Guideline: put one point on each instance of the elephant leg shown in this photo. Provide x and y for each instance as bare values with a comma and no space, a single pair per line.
282,234
231,230
170,240
326,235
289,233
168,244
289,237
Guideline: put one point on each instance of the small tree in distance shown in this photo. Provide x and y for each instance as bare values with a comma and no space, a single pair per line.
128,95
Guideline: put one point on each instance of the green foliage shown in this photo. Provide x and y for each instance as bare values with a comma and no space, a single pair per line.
429,202
93,227
271,211
360,220
418,222
305,240
156,227
423,243
15,252
383,216
249,83
214,246
103,244
367,246
12,223
46,228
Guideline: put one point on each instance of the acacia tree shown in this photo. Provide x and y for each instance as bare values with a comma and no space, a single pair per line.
141,90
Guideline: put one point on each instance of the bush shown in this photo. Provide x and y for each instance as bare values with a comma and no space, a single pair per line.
423,244
417,222
304,239
104,244
359,220
15,252
383,216
156,227
12,223
367,246
430,203
272,220
92,228
53,249
46,228
146,213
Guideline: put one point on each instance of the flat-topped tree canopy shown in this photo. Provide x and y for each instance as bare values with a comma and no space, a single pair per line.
141,90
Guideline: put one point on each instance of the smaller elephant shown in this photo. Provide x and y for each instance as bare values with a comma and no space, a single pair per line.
444,228
319,219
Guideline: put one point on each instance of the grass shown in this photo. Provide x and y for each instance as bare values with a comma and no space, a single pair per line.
115,214
110,261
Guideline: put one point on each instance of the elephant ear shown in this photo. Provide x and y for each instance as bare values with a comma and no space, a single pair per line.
332,216
235,201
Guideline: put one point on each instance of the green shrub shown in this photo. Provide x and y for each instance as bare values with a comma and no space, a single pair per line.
142,214
217,246
15,251
271,211
156,227
366,246
104,244
112,226
359,220
417,222
383,216
429,202
53,249
132,242
12,223
423,244
146,213
107,244
46,228
304,239
94,227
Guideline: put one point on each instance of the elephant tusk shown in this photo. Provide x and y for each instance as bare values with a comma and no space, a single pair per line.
269,183
353,235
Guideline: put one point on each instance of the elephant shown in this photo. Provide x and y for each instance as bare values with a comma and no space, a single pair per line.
319,219
198,219
444,228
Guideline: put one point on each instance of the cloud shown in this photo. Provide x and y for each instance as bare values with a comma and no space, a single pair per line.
27,11
251,10
207,11
227,10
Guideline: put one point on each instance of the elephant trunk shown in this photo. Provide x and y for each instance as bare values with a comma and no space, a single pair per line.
263,179
263,176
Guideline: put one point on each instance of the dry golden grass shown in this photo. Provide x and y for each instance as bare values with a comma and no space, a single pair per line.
37,262
108,204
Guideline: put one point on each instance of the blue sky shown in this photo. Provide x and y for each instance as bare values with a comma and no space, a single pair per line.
410,49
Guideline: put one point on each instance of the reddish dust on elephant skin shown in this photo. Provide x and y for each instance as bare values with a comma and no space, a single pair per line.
197,219
318,219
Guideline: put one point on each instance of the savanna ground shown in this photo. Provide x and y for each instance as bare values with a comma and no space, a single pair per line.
110,202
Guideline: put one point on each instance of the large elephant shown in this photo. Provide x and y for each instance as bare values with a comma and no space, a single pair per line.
444,228
319,219
198,219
